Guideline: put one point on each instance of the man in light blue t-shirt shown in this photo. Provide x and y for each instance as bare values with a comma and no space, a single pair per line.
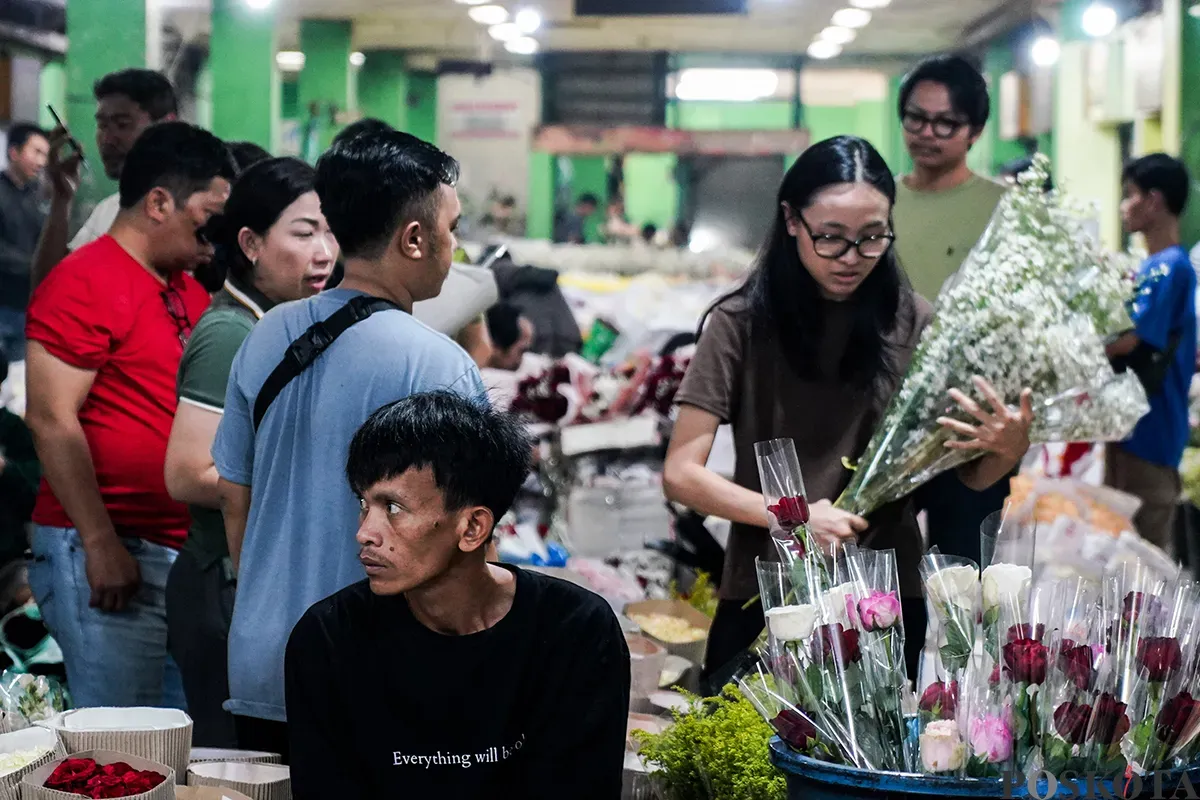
290,515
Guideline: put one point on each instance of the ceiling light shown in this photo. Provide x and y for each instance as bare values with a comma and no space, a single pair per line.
870,5
522,46
837,35
1099,20
470,2
289,60
528,20
1195,10
726,85
505,32
258,5
703,240
851,18
357,59
822,49
1045,51
488,15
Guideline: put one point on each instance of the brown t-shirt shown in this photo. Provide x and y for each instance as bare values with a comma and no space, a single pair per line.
745,381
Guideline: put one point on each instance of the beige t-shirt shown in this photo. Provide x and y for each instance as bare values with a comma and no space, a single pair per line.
102,218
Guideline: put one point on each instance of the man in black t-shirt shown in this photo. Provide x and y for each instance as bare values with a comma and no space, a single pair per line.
442,675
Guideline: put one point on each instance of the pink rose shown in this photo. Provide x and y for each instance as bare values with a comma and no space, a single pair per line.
879,610
991,738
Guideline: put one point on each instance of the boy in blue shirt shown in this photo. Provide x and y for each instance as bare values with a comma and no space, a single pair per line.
1162,347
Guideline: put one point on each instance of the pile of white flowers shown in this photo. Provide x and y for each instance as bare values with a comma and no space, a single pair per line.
1030,307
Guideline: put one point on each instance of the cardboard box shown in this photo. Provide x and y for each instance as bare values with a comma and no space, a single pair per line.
692,651
257,781
33,785
28,739
163,735
207,793
203,754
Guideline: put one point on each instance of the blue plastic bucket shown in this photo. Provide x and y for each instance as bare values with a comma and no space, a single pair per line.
808,779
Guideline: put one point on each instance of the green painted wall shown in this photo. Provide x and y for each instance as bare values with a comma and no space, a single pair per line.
897,154
422,119
589,175
1189,122
657,197
325,79
718,116
383,87
539,215
290,102
247,99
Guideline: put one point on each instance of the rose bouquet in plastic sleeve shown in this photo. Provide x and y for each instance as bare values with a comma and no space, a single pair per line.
987,718
1069,695
1007,555
785,497
777,703
952,593
1024,665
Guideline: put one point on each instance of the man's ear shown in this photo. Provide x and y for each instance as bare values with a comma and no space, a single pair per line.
976,133
159,204
412,240
478,529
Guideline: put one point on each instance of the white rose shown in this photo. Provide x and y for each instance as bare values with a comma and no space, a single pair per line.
954,586
837,603
792,623
1005,583
942,747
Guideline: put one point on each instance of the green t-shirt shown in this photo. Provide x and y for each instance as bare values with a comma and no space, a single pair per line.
203,376
936,230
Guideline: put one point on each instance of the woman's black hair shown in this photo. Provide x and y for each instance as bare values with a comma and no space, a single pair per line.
259,197
784,299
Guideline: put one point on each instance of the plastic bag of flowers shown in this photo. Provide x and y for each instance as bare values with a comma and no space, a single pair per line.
27,699
1019,314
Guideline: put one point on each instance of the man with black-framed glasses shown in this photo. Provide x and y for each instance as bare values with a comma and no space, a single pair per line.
106,331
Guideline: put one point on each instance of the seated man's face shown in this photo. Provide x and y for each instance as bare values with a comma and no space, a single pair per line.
407,537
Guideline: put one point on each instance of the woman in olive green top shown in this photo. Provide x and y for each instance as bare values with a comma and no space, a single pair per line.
272,245
812,348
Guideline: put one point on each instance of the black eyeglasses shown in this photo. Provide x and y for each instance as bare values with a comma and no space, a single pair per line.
943,127
178,311
826,245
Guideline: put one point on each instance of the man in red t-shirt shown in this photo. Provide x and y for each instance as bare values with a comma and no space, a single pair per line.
106,331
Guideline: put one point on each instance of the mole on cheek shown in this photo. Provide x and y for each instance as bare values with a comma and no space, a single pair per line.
391,549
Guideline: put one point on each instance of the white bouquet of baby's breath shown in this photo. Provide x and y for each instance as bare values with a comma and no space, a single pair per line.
1030,307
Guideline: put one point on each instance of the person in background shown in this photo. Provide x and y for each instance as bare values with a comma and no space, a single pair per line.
390,201
572,227
106,332
503,218
650,234
511,334
433,474
535,292
273,246
21,220
20,474
617,227
127,102
1161,350
812,348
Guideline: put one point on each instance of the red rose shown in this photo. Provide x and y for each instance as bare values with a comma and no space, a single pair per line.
1071,721
940,699
117,768
138,782
1025,661
1177,715
795,729
1137,603
1160,658
1076,663
834,640
70,772
994,678
102,785
1026,631
791,512
1109,721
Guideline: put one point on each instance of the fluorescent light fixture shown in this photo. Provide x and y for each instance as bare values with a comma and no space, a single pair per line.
1045,51
851,18
837,35
822,49
870,5
703,240
357,58
258,5
1195,10
505,32
488,15
522,46
1099,20
730,85
289,60
470,2
528,20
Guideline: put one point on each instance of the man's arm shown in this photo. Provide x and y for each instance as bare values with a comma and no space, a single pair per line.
190,473
56,392
235,508
1123,346
64,181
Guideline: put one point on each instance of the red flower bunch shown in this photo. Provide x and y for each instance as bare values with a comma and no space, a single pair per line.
1109,721
791,512
1138,603
1177,715
539,397
1076,663
834,640
1025,661
795,729
661,384
940,699
1026,631
1159,657
84,777
1071,721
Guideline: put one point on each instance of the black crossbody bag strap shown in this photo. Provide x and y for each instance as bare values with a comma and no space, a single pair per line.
304,351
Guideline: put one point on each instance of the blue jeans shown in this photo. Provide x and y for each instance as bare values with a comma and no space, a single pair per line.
112,659
12,334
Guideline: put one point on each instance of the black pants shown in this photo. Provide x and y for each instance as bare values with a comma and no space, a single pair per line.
734,630
199,608
263,735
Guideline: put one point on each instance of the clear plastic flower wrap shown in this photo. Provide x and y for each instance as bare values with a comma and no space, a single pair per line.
31,698
1069,693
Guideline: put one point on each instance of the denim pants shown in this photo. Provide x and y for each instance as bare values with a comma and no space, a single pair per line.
12,334
112,659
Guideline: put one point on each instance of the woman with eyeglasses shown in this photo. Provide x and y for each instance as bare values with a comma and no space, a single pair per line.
811,348
272,245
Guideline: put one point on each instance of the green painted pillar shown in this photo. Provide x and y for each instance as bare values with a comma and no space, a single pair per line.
52,89
245,81
539,216
589,175
422,105
325,80
897,156
1189,121
383,87
104,36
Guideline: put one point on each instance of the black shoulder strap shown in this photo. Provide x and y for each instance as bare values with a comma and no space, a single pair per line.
304,351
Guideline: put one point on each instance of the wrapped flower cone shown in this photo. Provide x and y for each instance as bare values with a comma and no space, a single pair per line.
258,781
159,734
207,793
21,744
33,785
204,754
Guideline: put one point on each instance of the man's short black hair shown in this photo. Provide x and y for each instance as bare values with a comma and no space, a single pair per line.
149,89
359,127
21,132
371,183
479,456
589,199
247,154
175,156
966,85
1163,173
504,325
